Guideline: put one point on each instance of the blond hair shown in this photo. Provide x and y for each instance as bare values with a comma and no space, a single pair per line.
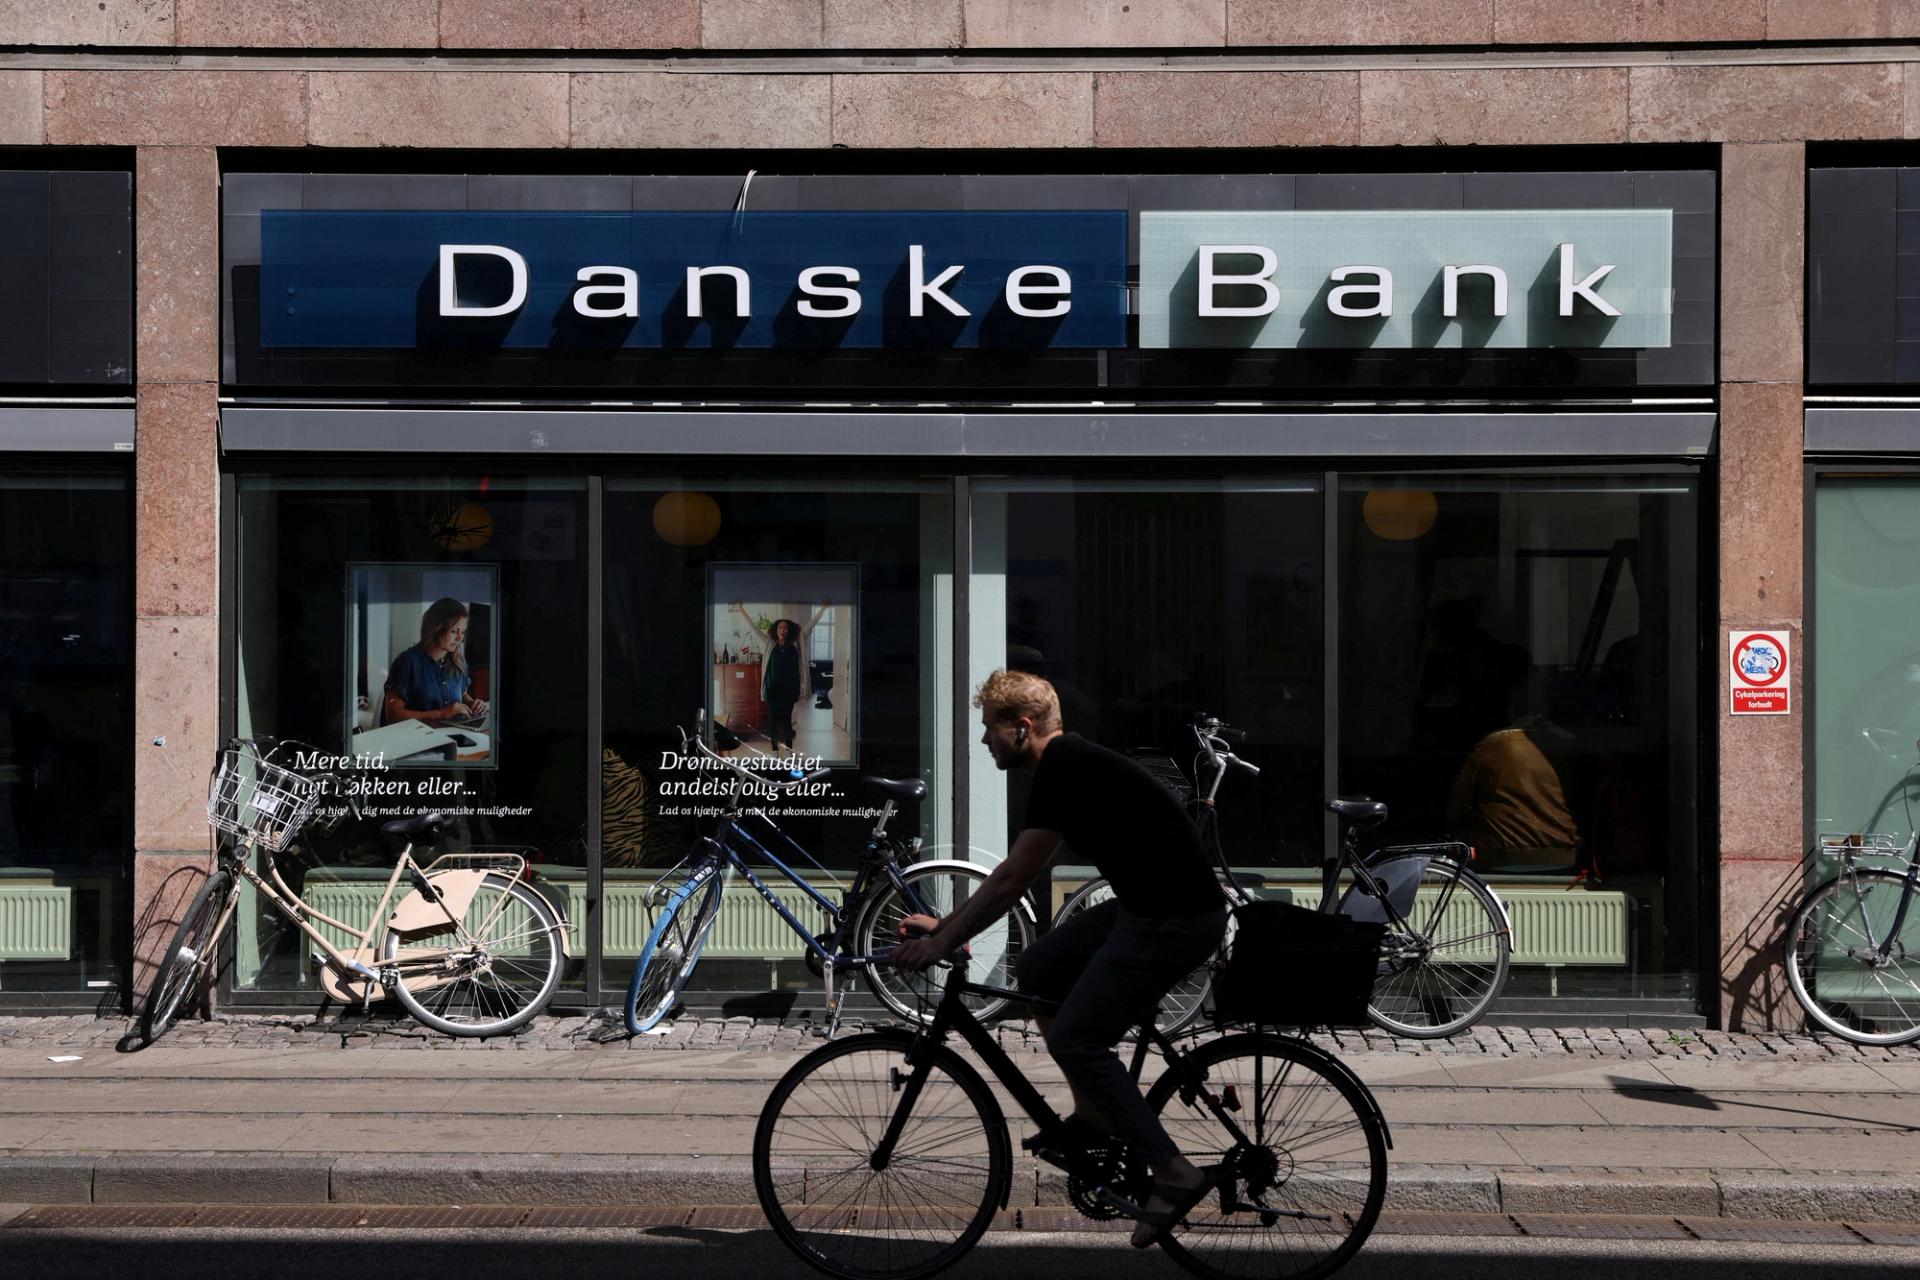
1014,695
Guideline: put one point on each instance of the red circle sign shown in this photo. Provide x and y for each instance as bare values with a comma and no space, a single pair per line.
1759,660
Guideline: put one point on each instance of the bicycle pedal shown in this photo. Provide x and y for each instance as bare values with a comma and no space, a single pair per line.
1117,1202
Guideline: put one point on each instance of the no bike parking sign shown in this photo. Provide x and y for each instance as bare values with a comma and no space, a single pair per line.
1757,664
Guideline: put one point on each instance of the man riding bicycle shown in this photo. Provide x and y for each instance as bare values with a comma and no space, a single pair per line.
1109,967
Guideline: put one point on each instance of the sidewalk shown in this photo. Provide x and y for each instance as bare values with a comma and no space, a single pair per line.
1501,1120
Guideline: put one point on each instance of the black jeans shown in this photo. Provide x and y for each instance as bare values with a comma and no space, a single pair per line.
1109,968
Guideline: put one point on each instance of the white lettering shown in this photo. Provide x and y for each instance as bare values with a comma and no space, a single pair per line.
741,307
1018,290
1381,289
1569,286
849,304
1450,288
1211,277
625,294
450,254
922,288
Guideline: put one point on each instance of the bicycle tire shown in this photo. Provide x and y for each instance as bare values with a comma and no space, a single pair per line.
486,989
1308,1186
690,899
1182,1004
992,952
931,1203
190,956
1863,1003
1432,982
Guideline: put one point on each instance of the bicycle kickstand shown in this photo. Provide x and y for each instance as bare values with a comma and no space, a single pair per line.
835,996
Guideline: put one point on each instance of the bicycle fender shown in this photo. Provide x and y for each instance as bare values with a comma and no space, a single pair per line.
416,913
948,864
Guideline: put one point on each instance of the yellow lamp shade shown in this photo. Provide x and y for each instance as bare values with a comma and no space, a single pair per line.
1400,515
462,526
686,519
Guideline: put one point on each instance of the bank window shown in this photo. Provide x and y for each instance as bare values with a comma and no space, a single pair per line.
66,785
1146,602
1866,675
431,633
1517,659
808,619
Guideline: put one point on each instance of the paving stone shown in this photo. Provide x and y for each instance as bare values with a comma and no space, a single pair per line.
210,1178
35,1179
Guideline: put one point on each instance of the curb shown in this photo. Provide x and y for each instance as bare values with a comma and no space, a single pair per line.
225,1178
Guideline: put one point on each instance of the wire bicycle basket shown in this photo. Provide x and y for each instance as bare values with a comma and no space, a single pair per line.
255,799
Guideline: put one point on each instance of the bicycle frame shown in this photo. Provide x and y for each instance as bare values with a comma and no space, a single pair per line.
733,827
1220,757
1884,948
952,1015
301,915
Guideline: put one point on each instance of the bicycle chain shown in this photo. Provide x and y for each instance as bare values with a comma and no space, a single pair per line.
1117,1167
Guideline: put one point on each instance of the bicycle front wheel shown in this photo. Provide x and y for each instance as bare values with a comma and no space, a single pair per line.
939,888
688,900
490,975
189,956
1183,1001
1835,963
925,1205
1443,965
1304,1177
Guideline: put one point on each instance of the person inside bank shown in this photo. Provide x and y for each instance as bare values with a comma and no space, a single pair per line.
430,680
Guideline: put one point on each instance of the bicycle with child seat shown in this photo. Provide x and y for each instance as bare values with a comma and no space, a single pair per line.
887,886
1853,947
472,949
884,1156
1449,939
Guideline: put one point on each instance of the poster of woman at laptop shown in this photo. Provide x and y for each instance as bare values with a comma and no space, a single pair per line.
423,641
780,641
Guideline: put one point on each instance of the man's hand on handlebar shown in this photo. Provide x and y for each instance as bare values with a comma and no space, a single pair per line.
921,950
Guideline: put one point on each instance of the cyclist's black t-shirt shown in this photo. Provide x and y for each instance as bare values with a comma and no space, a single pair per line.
1118,817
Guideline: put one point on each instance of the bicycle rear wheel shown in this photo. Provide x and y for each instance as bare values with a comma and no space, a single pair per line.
1442,967
1303,1189
493,974
689,899
939,888
1834,964
1183,1002
813,1150
189,956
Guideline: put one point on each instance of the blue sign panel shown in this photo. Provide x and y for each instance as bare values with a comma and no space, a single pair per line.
693,280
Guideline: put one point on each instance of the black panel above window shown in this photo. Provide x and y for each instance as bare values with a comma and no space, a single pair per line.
66,278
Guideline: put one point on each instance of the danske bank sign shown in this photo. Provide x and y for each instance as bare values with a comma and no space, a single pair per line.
966,279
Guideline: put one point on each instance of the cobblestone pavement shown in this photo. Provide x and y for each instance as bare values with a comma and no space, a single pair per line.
602,1033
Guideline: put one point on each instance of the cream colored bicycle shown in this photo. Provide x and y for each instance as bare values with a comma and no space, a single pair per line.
472,949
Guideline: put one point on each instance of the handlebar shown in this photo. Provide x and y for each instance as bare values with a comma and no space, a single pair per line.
1214,737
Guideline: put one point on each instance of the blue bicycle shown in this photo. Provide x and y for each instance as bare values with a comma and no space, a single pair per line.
887,887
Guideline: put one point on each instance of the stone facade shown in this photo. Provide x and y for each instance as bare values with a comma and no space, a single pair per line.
938,75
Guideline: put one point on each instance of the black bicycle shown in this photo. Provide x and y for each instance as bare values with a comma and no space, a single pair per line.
1449,940
884,1156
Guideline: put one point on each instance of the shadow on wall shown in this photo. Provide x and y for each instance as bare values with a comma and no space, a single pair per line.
153,930
1753,986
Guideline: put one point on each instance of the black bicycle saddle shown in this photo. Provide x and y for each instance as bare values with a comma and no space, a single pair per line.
420,829
1359,809
896,788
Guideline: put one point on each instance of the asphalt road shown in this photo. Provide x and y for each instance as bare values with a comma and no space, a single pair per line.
680,1254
